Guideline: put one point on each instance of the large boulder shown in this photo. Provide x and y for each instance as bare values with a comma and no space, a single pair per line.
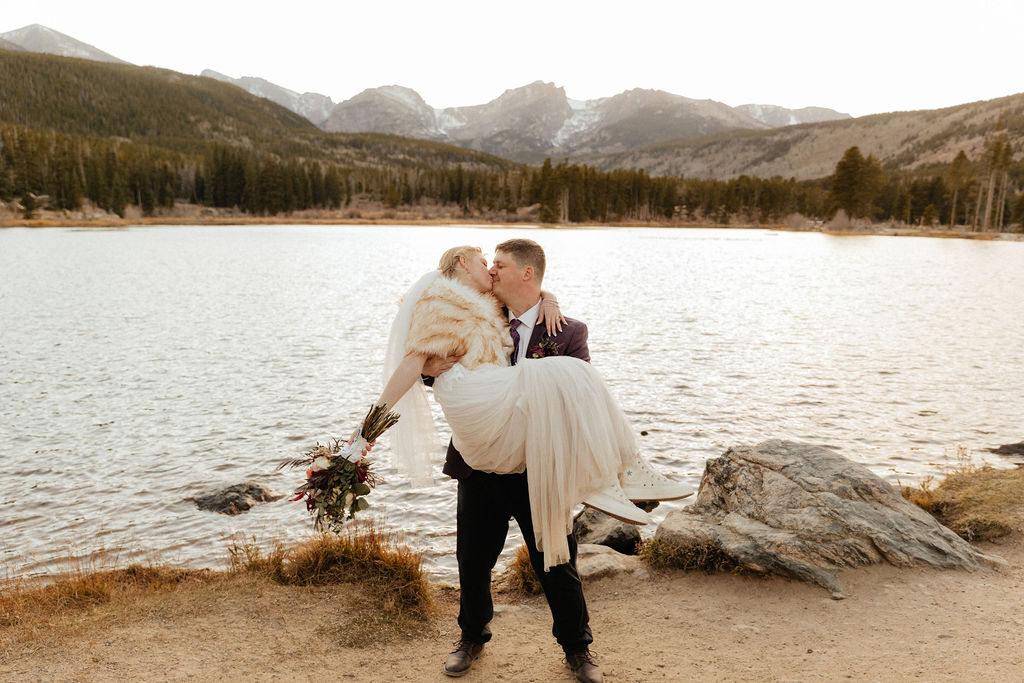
236,499
805,511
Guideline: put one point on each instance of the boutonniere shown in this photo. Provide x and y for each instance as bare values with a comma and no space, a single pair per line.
546,347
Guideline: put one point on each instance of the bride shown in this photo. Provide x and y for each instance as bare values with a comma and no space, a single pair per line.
555,419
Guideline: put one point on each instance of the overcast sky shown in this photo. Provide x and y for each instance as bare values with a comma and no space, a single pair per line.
857,57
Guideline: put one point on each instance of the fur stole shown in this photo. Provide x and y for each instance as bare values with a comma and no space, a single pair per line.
452,319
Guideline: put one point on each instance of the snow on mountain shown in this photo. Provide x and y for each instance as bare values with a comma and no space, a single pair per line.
447,121
777,117
585,115
38,38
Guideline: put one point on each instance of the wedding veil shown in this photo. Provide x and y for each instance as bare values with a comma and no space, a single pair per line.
414,439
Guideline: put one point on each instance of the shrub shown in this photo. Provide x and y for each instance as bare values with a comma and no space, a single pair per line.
706,557
362,553
519,576
978,502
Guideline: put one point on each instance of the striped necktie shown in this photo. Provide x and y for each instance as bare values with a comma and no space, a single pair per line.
512,328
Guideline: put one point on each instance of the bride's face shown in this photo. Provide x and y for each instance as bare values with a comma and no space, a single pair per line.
476,274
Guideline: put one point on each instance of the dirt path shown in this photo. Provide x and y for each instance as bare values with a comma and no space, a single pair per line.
896,624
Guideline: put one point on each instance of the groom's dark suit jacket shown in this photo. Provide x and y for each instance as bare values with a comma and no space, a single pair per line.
571,341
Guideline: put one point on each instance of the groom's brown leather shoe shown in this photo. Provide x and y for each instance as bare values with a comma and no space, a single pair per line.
583,666
461,658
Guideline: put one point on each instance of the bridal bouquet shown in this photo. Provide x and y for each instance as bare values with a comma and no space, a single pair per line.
338,476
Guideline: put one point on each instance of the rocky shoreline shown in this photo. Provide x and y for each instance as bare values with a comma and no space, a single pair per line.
900,620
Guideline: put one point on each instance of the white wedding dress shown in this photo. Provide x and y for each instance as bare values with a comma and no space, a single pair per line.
553,417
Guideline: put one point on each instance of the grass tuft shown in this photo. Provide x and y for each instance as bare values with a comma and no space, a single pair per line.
391,575
977,501
519,576
22,603
706,557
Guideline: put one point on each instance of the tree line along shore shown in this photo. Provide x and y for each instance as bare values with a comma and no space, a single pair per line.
57,176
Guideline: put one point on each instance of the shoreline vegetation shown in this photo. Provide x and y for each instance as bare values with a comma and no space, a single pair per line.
357,604
188,215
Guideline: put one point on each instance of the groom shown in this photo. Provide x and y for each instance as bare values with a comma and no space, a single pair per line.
487,501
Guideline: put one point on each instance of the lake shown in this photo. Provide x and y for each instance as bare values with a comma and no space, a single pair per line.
140,367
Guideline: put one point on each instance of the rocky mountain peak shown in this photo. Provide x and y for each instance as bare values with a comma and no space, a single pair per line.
402,94
538,90
39,38
313,106
389,109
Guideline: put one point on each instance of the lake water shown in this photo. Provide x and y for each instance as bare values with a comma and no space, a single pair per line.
140,367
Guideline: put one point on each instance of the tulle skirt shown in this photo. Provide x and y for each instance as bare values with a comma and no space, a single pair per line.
554,417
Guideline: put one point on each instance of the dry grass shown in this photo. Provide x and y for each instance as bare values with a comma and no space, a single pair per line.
362,553
519,576
395,598
22,603
977,501
706,557
391,599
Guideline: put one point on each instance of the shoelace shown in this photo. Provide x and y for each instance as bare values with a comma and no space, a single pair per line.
577,658
466,645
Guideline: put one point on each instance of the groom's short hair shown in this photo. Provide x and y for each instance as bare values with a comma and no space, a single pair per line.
525,253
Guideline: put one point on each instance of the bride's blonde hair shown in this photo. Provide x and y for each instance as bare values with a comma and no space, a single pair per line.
450,259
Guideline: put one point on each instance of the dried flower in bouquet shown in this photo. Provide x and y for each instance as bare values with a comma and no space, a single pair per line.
338,476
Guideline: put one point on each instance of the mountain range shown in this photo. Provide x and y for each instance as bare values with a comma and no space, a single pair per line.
664,134
535,121
524,124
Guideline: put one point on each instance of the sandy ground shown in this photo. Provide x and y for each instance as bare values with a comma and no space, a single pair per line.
895,625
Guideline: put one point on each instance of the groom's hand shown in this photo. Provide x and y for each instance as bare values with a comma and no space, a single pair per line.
436,366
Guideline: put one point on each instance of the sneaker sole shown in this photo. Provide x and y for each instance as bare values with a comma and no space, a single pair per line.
651,499
629,520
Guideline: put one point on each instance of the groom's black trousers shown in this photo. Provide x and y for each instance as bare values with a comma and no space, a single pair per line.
486,502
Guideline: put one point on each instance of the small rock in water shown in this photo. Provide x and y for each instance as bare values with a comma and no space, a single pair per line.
236,499
1009,449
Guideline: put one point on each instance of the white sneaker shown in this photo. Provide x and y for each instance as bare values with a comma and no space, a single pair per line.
614,503
640,482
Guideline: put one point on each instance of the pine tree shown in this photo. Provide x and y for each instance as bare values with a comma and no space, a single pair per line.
855,182
959,174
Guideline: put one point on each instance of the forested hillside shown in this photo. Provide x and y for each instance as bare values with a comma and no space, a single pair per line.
73,131
901,141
